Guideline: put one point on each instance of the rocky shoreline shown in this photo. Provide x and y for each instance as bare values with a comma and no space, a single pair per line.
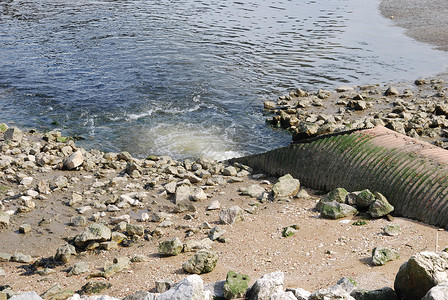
78,221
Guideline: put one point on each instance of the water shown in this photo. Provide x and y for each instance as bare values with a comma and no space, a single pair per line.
188,78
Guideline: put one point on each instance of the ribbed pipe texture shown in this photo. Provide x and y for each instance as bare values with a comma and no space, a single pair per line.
413,175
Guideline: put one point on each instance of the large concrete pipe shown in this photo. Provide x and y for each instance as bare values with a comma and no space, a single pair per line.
412,174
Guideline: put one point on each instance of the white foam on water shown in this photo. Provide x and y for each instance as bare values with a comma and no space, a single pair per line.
188,141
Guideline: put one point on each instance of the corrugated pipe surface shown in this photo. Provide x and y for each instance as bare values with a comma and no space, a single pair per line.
413,175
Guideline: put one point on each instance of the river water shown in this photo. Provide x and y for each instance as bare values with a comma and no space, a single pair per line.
188,78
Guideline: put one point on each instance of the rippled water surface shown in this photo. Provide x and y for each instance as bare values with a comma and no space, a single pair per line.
188,77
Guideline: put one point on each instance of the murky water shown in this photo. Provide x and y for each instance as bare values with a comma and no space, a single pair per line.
188,77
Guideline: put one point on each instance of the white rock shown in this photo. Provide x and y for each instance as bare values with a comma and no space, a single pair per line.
198,195
83,209
190,288
214,205
26,181
74,160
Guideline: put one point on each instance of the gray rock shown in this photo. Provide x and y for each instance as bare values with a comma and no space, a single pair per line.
380,207
134,229
64,253
267,286
22,258
170,187
13,134
74,160
164,285
286,186
341,290
141,295
231,215
119,264
5,256
26,296
78,221
94,232
216,289
214,205
216,232
391,91
24,228
2,272
336,210
4,220
380,256
198,194
385,293
300,294
190,288
193,246
439,292
183,193
254,191
283,296
79,268
339,195
421,273
171,247
61,182
392,229
229,171
203,261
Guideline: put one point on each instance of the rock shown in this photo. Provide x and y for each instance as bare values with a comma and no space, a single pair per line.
2,272
198,195
203,261
392,229
290,230
56,292
5,256
43,187
132,229
183,193
338,195
231,215
26,296
193,246
190,288
64,253
336,210
119,264
13,134
3,127
439,292
357,104
236,285
380,256
74,160
267,286
216,232
94,232
22,258
170,187
164,285
283,296
141,295
139,258
385,293
24,228
93,287
269,105
302,194
4,220
216,289
171,247
420,273
254,191
79,268
364,199
341,290
392,91
184,206
108,245
299,293
26,181
61,182
229,171
214,205
286,186
380,207
78,221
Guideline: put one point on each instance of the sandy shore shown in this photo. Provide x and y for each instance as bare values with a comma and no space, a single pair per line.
424,21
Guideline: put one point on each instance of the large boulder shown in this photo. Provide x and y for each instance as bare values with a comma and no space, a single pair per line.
439,292
421,273
287,186
385,293
380,256
203,261
380,207
336,210
171,247
94,232
236,285
267,286
190,288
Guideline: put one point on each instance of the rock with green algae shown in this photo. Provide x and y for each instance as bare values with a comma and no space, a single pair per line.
364,199
290,230
337,195
380,256
94,287
94,232
56,292
203,261
380,207
336,210
171,247
236,285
